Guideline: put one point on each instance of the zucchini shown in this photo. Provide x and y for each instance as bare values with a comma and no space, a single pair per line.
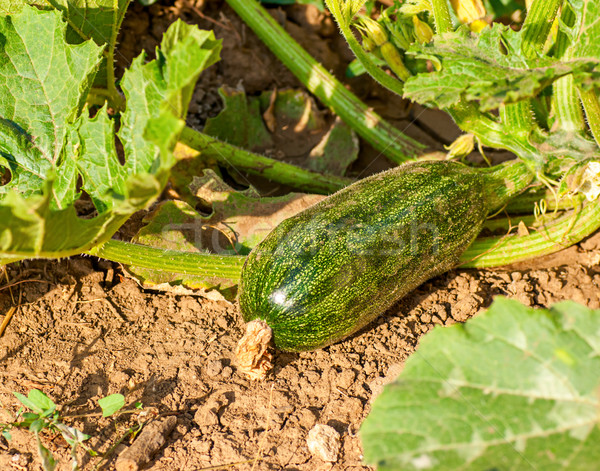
329,270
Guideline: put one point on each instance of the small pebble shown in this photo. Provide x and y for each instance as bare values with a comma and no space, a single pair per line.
214,368
324,442
227,372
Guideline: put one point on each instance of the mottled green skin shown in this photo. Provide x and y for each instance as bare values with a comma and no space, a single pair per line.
328,271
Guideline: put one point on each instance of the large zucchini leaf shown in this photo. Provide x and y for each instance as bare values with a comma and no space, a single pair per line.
514,388
52,150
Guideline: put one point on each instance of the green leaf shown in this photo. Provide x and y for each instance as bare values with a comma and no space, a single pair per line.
240,122
37,401
28,418
336,151
291,108
98,20
111,404
513,388
71,435
48,461
87,18
7,436
488,68
584,34
190,51
288,120
37,425
48,80
48,141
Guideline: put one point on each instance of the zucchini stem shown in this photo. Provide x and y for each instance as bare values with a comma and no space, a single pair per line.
506,181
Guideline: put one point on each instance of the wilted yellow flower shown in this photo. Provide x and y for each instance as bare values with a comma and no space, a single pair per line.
461,147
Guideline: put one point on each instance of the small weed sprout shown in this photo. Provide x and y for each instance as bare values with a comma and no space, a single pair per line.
44,415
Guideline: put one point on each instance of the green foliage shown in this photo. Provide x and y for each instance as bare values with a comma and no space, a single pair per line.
514,388
99,20
240,122
236,223
111,404
253,123
489,69
49,140
45,416
584,34
503,8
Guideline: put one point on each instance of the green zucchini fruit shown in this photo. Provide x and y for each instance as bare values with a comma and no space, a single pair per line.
328,271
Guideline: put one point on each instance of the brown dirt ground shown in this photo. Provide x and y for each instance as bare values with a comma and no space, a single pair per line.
83,330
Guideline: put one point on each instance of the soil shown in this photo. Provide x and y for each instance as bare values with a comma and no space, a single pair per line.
83,329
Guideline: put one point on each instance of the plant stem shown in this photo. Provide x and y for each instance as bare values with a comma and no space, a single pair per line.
485,252
564,232
441,16
537,26
566,106
518,117
494,134
505,181
186,263
591,107
243,160
525,202
506,223
380,134
99,96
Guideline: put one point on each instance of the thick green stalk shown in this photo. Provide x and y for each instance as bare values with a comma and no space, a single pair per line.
441,16
564,232
591,107
494,134
185,263
536,29
243,160
380,134
505,181
566,106
537,25
518,117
